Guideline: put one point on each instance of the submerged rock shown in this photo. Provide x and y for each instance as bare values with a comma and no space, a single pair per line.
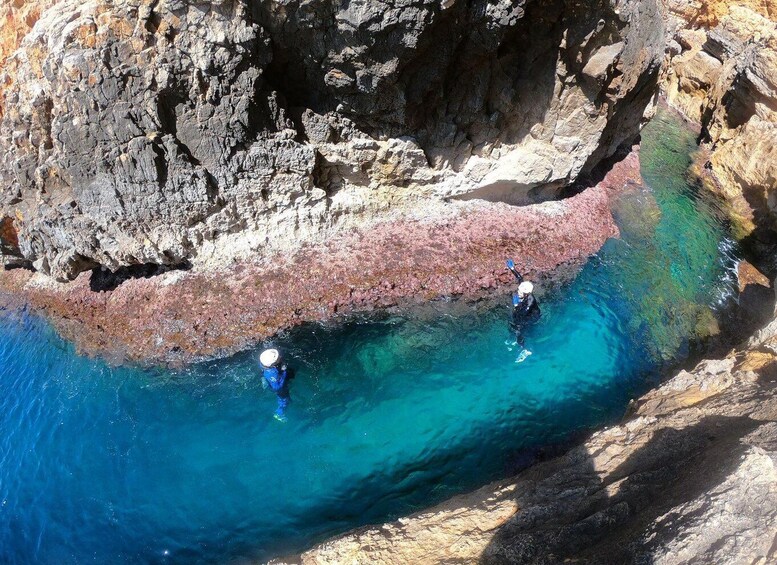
139,132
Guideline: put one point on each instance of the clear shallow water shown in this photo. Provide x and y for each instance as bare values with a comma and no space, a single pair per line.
105,465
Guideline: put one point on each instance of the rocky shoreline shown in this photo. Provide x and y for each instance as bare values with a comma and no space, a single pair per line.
458,250
302,171
690,476
336,169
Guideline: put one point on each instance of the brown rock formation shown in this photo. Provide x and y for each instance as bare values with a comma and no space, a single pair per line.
749,275
709,13
722,69
16,21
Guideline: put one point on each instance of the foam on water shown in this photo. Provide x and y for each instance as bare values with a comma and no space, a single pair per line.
389,414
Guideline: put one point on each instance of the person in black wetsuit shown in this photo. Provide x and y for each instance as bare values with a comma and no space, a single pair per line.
526,310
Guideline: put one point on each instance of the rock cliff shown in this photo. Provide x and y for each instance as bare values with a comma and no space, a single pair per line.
689,477
163,132
721,74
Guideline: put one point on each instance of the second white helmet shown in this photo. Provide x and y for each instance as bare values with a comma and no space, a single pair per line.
525,287
269,357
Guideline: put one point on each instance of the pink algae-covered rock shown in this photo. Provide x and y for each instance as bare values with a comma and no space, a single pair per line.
184,316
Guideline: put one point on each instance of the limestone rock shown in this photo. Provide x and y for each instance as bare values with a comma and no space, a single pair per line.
173,131
724,78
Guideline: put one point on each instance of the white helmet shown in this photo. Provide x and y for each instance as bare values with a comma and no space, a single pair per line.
269,357
525,287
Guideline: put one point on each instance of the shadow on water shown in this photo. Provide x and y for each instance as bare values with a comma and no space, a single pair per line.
568,514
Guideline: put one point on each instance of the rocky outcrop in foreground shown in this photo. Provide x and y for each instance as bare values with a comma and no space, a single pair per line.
723,75
689,477
139,132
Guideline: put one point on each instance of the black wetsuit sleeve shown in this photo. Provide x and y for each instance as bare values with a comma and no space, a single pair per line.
518,276
528,309
533,309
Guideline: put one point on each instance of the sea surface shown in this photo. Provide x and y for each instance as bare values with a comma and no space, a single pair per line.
389,413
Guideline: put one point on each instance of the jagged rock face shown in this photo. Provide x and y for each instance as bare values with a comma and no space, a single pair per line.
709,13
159,132
18,17
723,76
690,477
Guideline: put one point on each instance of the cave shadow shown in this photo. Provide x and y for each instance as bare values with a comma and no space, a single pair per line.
512,193
104,280
739,316
757,302
767,375
14,264
573,513
754,305
760,246
598,173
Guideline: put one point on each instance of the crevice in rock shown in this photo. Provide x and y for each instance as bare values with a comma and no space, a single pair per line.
47,109
596,175
9,238
212,188
738,103
623,119
160,162
512,193
103,279
325,176
167,101
10,254
154,18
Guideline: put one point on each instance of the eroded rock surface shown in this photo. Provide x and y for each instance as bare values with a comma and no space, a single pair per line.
689,477
722,69
170,131
181,316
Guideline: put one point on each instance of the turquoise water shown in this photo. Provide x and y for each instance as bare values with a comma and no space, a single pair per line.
388,414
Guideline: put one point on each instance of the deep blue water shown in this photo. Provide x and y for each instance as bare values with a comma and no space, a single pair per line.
102,464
